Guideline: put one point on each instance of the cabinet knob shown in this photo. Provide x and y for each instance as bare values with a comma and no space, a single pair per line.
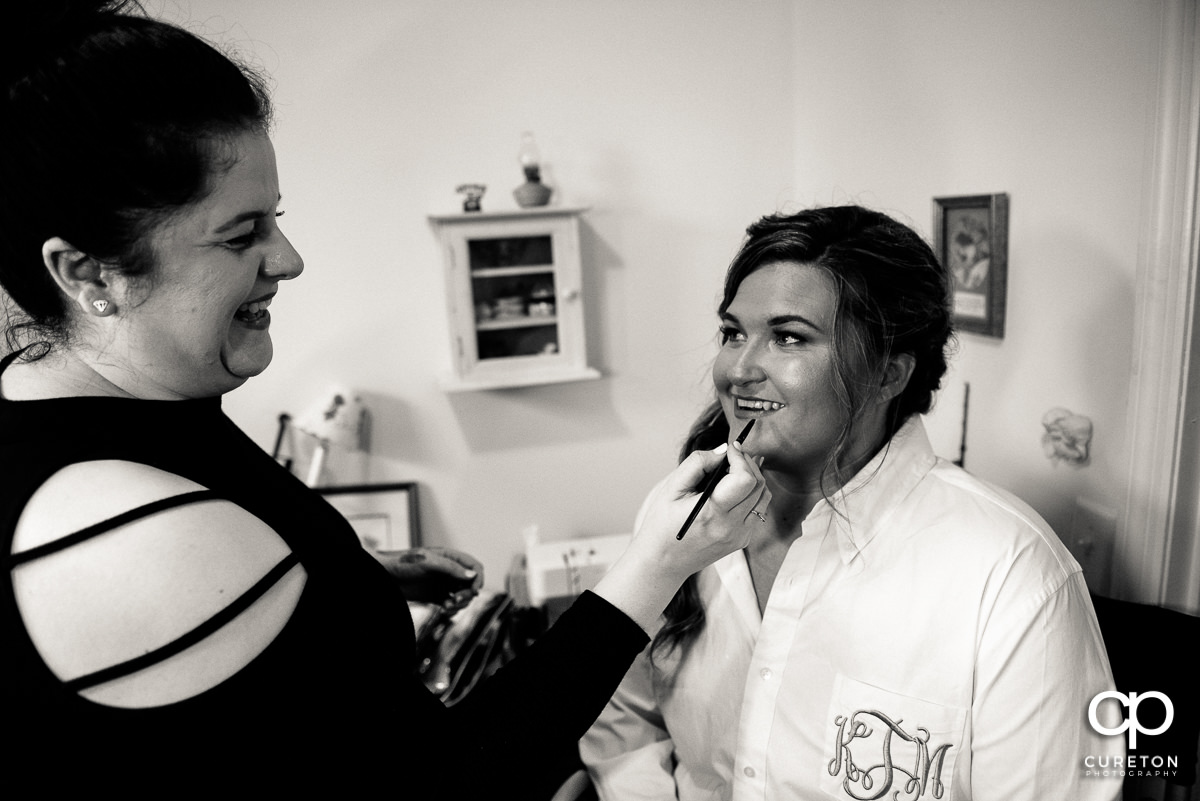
570,294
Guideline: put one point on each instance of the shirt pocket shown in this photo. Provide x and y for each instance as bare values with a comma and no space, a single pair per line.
881,744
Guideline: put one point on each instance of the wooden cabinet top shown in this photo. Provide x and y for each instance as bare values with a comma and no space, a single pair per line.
506,214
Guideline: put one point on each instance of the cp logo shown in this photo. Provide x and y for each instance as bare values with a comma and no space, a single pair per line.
1131,701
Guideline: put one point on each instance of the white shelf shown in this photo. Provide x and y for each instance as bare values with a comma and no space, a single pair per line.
493,352
506,214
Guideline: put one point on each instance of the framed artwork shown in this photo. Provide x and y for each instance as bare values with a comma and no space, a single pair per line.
385,516
971,239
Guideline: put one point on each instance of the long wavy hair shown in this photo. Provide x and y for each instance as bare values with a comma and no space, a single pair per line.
892,298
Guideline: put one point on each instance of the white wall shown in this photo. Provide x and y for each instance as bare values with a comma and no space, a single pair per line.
1051,102
678,122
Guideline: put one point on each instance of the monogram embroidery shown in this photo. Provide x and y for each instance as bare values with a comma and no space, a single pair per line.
923,781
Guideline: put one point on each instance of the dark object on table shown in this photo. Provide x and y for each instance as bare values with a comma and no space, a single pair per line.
473,193
1148,651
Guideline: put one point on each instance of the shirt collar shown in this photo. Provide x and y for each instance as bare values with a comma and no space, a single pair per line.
860,509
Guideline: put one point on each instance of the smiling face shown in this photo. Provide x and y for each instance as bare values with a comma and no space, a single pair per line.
199,326
776,364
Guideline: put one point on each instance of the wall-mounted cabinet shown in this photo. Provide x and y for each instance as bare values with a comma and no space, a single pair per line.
514,298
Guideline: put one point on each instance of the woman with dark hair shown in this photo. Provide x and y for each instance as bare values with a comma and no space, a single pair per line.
179,611
896,628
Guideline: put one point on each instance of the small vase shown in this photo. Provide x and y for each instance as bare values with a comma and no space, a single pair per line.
532,193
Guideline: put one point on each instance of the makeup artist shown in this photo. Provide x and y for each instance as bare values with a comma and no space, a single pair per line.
896,628
180,613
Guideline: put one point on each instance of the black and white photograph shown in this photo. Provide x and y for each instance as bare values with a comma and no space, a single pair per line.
603,400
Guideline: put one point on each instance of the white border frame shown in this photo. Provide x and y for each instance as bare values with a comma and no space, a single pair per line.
1157,551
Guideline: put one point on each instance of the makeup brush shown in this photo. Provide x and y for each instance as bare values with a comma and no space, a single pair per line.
711,483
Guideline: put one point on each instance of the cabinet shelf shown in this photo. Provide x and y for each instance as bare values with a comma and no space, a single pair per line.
525,321
505,272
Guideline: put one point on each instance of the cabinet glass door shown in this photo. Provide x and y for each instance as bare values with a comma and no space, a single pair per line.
514,296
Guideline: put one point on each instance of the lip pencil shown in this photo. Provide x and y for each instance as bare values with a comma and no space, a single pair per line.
713,479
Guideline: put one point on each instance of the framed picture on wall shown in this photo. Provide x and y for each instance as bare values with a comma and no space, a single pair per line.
971,239
385,516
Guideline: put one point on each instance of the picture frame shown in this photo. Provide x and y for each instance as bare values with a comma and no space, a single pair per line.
386,517
971,239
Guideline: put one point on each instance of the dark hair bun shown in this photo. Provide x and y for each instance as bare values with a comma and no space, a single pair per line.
30,17
37,28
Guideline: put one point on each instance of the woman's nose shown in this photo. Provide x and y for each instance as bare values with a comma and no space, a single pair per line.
284,262
748,367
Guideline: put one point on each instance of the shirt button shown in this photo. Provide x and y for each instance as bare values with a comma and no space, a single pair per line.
765,673
749,772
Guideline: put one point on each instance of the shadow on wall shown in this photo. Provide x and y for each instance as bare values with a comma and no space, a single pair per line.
599,258
491,420
530,417
392,428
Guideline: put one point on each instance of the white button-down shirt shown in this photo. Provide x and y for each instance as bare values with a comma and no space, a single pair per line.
930,638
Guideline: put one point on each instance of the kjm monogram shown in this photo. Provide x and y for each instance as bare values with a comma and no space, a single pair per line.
864,784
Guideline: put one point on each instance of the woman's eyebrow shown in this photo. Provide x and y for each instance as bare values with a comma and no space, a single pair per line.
255,214
238,220
793,318
779,319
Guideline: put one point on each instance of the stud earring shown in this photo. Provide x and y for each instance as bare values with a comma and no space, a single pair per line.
102,307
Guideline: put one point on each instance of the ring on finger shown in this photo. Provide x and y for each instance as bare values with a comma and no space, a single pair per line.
759,515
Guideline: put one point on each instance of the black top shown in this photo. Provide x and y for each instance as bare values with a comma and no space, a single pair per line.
335,694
